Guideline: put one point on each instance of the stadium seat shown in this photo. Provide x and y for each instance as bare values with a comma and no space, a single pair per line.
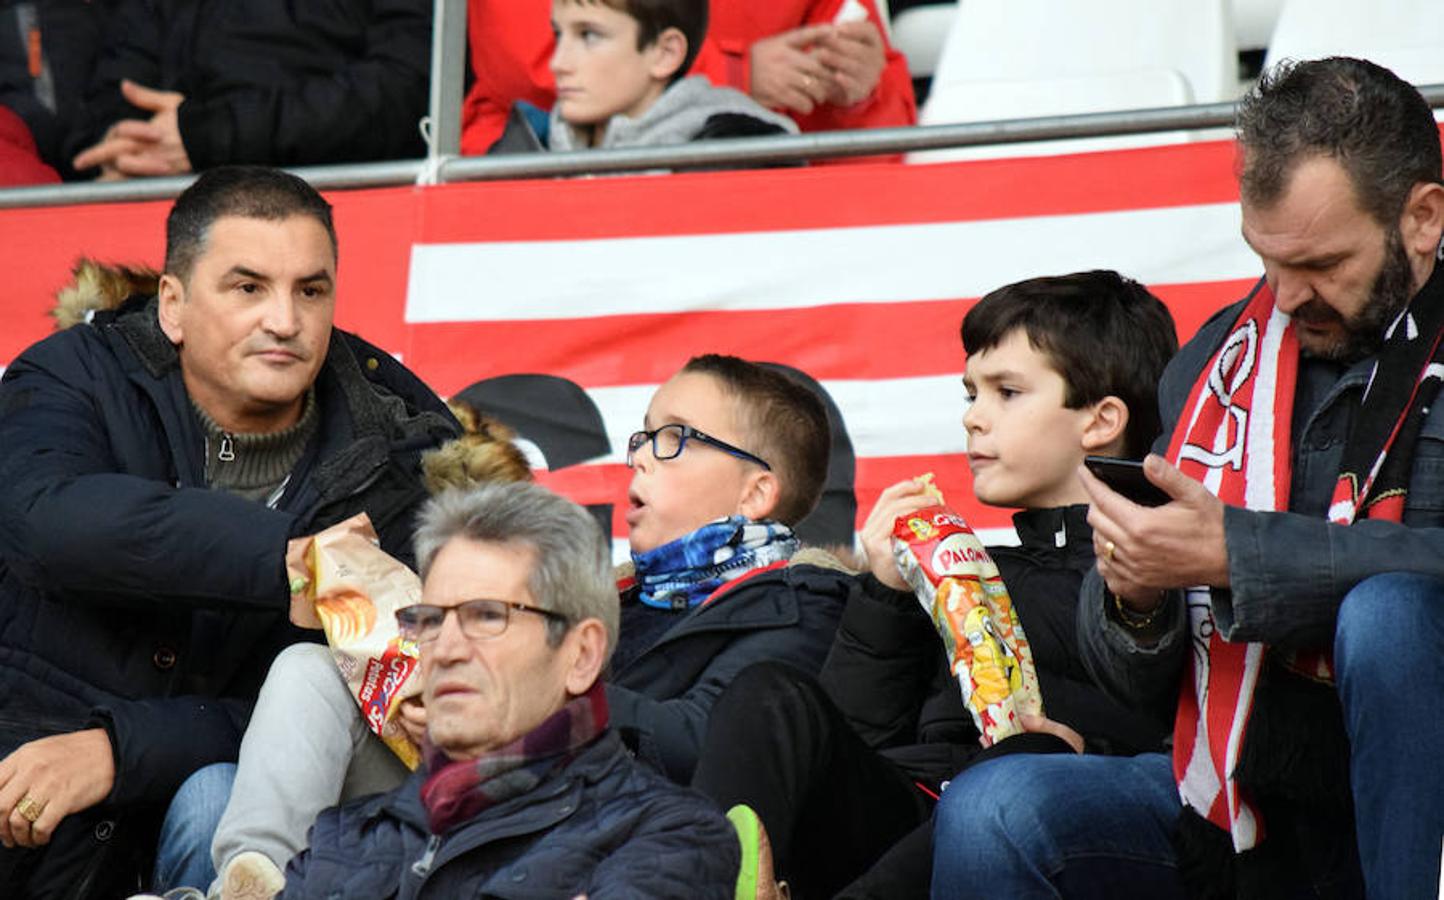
984,101
1406,36
1026,58
919,32
1253,22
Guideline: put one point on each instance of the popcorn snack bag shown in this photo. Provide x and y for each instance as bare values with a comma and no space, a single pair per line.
346,585
959,586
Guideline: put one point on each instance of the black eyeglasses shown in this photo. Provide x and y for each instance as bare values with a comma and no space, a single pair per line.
668,442
480,619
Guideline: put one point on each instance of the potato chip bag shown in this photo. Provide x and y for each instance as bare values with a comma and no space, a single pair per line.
958,584
350,588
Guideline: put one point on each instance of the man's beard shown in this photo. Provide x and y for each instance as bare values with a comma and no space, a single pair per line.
1363,334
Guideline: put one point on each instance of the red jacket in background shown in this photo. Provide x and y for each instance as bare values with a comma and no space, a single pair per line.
20,162
735,24
511,46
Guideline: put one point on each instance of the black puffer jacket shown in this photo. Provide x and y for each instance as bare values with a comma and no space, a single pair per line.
605,826
661,699
133,597
272,82
888,672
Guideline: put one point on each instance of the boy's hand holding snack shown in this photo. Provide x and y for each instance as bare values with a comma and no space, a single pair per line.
959,585
897,501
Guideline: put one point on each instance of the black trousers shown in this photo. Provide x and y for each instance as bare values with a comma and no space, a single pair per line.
842,819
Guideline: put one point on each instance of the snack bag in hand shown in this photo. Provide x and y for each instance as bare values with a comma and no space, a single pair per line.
351,588
959,586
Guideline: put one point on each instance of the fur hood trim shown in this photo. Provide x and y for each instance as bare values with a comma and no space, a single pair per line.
96,286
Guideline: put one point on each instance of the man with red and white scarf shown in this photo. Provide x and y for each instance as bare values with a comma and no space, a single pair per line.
1286,608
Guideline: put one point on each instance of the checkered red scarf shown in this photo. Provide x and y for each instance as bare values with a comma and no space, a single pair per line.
1234,438
457,791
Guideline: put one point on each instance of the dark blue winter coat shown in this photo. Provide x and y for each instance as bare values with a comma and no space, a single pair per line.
606,826
134,598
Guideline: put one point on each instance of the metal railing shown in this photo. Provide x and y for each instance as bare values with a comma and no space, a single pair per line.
444,164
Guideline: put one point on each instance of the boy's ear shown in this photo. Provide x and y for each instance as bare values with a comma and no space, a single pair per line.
759,496
1103,432
668,52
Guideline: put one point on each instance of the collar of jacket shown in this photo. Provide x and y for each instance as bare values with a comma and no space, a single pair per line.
1039,529
363,419
594,764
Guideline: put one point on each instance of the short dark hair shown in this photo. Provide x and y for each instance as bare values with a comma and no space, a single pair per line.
656,16
251,192
1106,335
1361,115
785,423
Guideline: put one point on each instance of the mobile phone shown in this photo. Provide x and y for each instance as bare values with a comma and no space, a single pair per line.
1126,477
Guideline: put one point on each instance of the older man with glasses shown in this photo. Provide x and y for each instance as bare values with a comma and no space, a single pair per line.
523,786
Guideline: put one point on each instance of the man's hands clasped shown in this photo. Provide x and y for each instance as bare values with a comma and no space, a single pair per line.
807,67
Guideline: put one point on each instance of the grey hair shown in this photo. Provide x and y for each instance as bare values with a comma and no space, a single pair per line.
572,574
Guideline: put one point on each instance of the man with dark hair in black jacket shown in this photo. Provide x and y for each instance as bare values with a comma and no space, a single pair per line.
157,462
181,87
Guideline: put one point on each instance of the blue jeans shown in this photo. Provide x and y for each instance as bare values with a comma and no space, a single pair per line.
1389,658
183,858
1027,826
1081,826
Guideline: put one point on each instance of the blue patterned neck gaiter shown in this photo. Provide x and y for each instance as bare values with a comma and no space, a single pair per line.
685,572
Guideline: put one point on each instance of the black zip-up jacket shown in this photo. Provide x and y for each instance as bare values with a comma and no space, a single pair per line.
888,673
133,597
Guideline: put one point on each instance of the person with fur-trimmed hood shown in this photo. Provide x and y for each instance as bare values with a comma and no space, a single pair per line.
156,463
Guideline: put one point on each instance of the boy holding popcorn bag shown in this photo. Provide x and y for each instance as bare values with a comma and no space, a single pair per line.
843,770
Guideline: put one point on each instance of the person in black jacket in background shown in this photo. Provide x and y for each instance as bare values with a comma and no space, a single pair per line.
155,466
181,87
843,770
47,53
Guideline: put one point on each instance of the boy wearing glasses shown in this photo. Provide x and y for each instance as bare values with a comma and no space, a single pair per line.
731,455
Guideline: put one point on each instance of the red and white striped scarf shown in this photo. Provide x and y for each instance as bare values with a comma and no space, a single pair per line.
1234,437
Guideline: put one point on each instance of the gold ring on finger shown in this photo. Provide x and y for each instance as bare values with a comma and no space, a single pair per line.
1108,548
30,808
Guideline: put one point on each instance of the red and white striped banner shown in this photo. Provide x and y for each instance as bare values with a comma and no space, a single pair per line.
856,275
